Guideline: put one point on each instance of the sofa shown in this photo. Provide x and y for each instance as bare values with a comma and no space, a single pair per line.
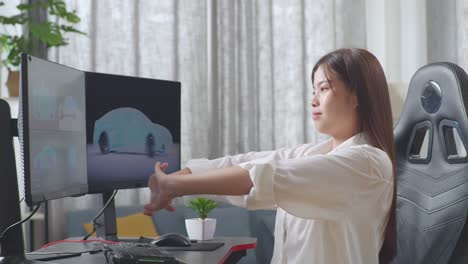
231,221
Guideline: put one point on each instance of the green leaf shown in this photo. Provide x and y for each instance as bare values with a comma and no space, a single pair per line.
13,20
3,39
24,7
47,32
18,45
72,17
58,8
71,29
202,206
61,7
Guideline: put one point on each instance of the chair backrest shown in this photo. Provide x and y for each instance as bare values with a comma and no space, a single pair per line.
431,139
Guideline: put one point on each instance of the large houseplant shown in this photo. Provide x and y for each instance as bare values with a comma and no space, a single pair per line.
47,33
201,228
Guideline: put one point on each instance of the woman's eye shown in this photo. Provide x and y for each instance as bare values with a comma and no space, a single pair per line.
324,89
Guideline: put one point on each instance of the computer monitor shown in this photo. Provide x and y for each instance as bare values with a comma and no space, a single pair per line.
130,124
85,132
52,130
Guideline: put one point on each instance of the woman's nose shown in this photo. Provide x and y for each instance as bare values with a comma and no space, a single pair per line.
314,102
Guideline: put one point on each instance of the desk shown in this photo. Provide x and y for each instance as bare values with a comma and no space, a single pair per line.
232,251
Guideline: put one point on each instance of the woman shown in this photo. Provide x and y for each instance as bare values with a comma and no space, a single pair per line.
335,201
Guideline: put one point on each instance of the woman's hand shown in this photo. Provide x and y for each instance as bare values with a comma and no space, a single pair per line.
227,181
160,196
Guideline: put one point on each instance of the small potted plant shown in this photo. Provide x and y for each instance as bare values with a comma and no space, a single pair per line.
202,228
48,33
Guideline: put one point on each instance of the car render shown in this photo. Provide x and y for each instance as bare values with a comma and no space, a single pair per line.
127,130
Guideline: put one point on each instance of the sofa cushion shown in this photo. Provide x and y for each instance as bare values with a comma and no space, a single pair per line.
262,224
170,222
135,225
76,219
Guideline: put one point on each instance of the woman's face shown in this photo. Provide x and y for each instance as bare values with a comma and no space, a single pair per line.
334,107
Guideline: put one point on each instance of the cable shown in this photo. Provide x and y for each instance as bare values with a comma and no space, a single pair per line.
63,252
20,222
55,253
93,221
78,241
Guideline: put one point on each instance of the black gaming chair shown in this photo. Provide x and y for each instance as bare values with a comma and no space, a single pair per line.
431,139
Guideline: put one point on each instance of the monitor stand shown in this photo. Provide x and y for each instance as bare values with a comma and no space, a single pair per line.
106,223
11,246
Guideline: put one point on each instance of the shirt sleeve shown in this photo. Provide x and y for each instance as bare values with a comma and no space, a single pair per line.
198,165
319,186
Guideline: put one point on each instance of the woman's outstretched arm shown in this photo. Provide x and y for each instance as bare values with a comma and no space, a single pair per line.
151,181
227,181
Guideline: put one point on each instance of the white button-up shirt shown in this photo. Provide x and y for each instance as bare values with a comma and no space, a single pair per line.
332,204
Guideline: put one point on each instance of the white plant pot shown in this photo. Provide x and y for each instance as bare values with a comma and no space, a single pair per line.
198,229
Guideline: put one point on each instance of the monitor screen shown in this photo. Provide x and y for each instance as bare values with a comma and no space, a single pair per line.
130,124
52,130
84,132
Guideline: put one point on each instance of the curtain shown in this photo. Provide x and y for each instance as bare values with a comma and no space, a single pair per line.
244,67
462,33
264,52
447,31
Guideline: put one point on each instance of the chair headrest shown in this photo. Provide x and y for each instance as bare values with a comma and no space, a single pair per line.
432,173
437,92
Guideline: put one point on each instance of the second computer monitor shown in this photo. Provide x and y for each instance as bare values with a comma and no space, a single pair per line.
52,130
131,123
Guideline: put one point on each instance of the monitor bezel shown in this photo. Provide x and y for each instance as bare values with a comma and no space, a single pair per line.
25,130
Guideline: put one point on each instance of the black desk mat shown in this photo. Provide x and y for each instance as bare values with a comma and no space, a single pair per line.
197,246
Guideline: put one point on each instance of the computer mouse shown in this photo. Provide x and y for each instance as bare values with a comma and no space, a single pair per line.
171,240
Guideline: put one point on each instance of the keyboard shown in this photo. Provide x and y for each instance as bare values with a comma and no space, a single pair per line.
136,253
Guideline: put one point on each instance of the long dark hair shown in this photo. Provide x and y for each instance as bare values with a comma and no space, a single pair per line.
364,76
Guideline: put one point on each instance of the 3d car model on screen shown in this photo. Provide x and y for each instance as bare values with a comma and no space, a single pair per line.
129,130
